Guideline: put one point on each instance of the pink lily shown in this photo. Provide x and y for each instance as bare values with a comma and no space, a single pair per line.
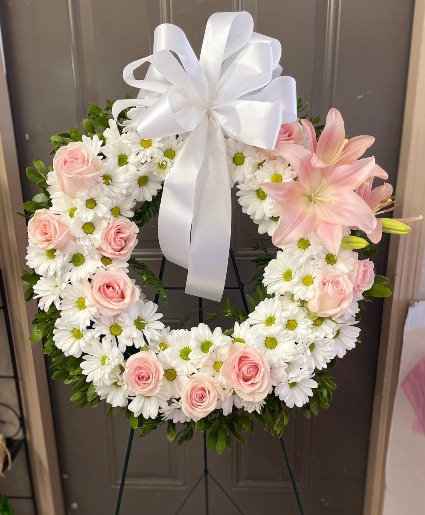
332,148
322,199
380,200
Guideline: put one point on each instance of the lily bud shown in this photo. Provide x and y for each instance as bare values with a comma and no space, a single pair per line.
353,243
392,226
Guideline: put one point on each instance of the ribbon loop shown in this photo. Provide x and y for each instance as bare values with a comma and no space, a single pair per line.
233,90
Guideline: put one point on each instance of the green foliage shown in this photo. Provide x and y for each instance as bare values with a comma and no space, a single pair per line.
147,210
5,506
29,279
63,138
261,261
304,113
228,310
38,174
148,277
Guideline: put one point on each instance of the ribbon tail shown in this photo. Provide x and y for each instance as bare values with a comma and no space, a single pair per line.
178,198
211,226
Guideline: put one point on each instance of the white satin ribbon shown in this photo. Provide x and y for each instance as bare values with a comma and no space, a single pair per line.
235,90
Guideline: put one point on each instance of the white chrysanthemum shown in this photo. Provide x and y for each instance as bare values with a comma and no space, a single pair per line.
71,338
88,233
274,342
297,391
93,204
275,170
82,262
345,338
102,363
145,184
63,205
242,333
76,306
254,201
349,313
160,166
117,152
214,361
279,274
174,378
45,262
111,330
93,144
174,413
122,205
241,160
170,147
248,406
133,116
117,180
116,263
318,353
305,248
160,342
267,313
53,187
180,351
296,323
148,407
116,394
344,261
267,224
141,320
323,328
304,286
144,148
206,341
48,291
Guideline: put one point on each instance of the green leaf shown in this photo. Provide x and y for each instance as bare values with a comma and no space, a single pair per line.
148,277
41,167
31,206
34,175
89,126
91,392
212,438
134,422
147,210
171,431
40,198
36,334
379,291
28,294
29,278
381,280
220,446
75,134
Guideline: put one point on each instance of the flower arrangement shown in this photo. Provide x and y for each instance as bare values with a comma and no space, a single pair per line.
312,193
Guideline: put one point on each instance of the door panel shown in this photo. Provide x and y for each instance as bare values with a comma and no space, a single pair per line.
351,54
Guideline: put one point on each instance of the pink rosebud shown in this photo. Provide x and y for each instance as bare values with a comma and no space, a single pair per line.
76,168
199,396
119,239
248,371
144,373
362,276
334,293
48,231
288,133
112,291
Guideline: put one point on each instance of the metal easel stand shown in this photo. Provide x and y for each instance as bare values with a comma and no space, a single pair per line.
206,474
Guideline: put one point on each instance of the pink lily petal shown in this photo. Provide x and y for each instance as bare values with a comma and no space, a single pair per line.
310,134
348,209
379,194
380,172
283,193
376,235
355,148
299,158
332,139
330,235
349,176
292,229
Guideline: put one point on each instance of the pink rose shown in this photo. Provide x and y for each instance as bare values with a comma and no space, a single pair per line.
119,239
334,293
144,373
112,291
288,133
248,371
48,231
76,168
362,276
199,396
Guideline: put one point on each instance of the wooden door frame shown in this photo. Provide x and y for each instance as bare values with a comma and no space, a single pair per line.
31,369
405,263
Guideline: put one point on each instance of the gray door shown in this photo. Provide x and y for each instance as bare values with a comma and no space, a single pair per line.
353,55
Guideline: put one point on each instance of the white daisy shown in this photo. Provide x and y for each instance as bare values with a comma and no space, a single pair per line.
76,306
305,248
254,201
170,147
134,114
93,204
114,263
242,333
141,320
111,330
160,342
349,313
318,353
174,378
145,184
248,406
102,363
345,338
93,144
280,274
344,261
144,148
88,233
45,262
122,205
82,261
160,166
323,328
148,407
54,189
72,339
241,160
276,171
214,361
117,180
297,391
267,313
116,394
206,341
274,342
180,351
296,323
118,153
268,224
304,286
174,412
48,290
63,205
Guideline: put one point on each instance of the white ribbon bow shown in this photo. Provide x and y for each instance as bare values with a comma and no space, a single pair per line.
230,91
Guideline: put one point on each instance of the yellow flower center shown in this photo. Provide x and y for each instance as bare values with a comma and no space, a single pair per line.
170,153
291,325
239,159
140,323
81,303
287,275
260,194
185,352
115,329
91,203
308,280
142,180
163,346
115,211
270,342
269,320
122,160
77,334
276,177
78,259
218,365
146,143
206,346
51,253
303,244
106,261
88,228
107,179
238,340
331,259
71,212
170,374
